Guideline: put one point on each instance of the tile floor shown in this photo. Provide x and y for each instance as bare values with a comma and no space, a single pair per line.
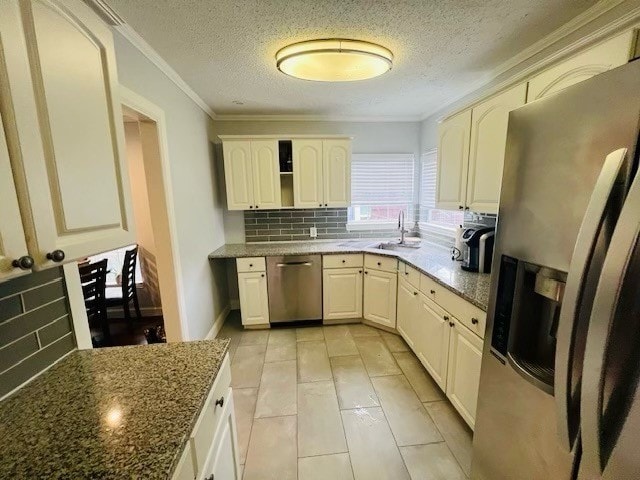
343,402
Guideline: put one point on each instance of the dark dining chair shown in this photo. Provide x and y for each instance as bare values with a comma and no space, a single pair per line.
128,283
93,278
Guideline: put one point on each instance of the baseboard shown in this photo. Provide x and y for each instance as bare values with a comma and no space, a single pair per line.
217,325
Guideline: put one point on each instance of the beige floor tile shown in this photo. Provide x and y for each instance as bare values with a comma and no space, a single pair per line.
313,362
409,421
278,390
325,467
395,343
246,366
244,401
431,462
254,337
419,378
455,431
306,334
281,345
376,356
320,429
362,330
272,451
372,448
282,336
352,383
339,341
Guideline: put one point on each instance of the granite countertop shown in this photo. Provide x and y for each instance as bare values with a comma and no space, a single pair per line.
122,412
431,260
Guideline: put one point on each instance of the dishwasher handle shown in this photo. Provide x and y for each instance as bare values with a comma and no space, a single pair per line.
294,264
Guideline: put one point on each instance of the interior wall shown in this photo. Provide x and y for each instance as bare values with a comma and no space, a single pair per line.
197,201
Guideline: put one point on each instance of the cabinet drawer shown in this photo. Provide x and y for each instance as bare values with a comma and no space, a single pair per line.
410,274
468,314
377,262
429,287
207,423
251,264
349,260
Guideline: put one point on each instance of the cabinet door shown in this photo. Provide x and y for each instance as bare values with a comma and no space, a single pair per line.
432,339
266,174
223,459
12,241
238,174
463,377
337,173
254,302
307,174
488,142
600,58
407,312
380,291
453,160
62,81
342,293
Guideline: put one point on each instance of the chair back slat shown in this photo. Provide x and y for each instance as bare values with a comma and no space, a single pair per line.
93,278
129,273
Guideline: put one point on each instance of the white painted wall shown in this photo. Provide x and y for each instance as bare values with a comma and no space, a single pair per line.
198,203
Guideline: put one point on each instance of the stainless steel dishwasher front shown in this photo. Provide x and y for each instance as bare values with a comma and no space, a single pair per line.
294,283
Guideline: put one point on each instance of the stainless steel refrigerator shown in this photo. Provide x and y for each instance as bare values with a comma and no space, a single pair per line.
559,395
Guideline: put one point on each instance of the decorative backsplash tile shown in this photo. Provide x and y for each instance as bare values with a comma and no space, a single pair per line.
287,225
35,326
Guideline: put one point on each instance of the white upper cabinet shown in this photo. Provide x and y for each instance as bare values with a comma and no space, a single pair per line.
488,141
68,158
453,160
238,174
13,246
337,173
308,187
597,59
266,174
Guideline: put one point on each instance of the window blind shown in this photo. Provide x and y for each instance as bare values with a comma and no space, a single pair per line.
428,178
382,179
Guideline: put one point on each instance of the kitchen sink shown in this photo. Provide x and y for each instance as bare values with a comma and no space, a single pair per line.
395,246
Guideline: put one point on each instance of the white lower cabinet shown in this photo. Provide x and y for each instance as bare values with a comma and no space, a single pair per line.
463,373
254,301
342,293
212,449
407,312
432,339
380,291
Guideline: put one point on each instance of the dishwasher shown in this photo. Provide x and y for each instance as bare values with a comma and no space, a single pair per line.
294,284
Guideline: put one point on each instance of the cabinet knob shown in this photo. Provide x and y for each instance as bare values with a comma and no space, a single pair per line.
379,264
451,324
319,204
257,206
446,318
56,256
344,261
262,275
24,263
359,271
220,402
406,273
433,292
250,265
466,208
415,293
474,321
460,207
250,206
366,273
326,204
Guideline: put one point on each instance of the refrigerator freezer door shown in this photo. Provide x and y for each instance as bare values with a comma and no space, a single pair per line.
610,398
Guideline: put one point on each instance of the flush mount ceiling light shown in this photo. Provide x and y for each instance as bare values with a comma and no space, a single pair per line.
334,60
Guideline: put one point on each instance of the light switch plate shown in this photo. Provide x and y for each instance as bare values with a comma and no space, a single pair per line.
313,232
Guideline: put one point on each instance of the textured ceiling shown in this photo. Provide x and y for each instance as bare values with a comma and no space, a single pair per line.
225,49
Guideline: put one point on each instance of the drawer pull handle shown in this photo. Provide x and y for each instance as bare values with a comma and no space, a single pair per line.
474,321
220,401
451,324
446,318
433,292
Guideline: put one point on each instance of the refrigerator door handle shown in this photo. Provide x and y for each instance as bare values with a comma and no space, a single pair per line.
566,398
619,260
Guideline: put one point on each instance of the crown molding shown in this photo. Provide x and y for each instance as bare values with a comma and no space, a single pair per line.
316,118
118,24
481,90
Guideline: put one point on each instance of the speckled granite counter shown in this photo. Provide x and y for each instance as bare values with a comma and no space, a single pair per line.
430,260
123,412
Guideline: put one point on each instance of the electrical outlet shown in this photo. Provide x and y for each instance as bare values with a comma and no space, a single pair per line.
313,232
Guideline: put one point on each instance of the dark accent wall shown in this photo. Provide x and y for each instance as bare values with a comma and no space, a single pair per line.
35,326
287,225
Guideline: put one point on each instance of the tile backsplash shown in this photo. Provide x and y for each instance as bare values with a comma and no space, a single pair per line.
287,225
35,326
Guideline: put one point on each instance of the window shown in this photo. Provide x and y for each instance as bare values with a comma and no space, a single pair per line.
381,186
431,217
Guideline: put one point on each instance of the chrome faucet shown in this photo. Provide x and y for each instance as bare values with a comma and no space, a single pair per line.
401,226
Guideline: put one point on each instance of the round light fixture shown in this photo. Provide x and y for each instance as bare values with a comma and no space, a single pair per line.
334,60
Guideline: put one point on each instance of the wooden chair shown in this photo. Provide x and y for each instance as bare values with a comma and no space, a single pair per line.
128,283
93,278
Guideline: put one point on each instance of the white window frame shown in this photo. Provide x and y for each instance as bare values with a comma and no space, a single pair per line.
390,224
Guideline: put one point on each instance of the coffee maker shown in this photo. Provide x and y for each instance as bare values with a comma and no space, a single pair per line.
478,249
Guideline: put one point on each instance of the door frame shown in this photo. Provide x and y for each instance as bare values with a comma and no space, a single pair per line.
169,271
